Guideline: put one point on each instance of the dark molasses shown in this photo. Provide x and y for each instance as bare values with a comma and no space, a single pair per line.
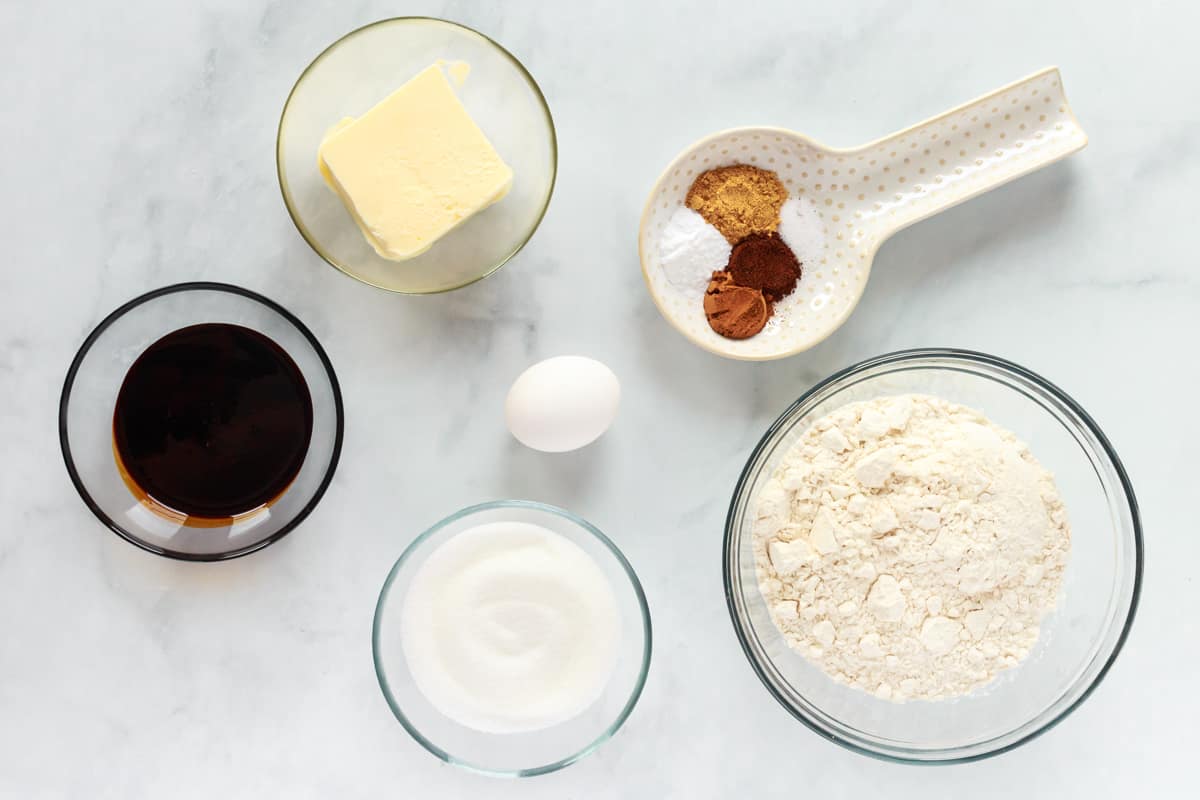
212,421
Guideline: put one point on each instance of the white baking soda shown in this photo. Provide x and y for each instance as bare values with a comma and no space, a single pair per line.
510,627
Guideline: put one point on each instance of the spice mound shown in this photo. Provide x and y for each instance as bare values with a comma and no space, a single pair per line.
763,261
735,312
910,547
738,200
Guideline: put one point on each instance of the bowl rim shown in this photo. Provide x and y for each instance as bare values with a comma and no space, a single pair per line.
967,356
284,186
122,310
607,733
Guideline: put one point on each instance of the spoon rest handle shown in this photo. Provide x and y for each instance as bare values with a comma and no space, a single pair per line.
966,151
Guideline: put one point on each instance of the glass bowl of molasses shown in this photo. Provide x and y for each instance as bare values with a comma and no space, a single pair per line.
201,421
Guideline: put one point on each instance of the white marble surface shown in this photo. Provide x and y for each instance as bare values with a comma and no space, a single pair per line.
138,151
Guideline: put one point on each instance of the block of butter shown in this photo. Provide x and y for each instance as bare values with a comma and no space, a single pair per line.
414,166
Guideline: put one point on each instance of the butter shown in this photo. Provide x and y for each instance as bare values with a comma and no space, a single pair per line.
459,70
414,166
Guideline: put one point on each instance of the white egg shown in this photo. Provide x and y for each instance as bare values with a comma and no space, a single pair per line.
562,403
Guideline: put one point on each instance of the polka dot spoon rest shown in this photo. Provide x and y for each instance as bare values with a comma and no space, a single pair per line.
861,196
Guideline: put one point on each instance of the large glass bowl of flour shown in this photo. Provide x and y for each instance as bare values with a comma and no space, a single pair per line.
1079,638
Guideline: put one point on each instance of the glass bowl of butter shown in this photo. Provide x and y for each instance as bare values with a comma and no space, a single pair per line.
416,155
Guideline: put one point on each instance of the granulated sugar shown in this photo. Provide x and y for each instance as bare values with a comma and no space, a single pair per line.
910,547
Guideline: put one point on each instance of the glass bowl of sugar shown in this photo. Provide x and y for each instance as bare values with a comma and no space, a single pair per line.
512,638
963,612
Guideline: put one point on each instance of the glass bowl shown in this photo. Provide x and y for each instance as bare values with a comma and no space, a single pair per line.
1079,639
514,754
359,70
85,419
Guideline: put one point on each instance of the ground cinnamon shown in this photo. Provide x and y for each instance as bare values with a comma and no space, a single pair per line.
738,200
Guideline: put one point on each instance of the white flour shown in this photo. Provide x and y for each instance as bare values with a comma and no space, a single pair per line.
909,547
